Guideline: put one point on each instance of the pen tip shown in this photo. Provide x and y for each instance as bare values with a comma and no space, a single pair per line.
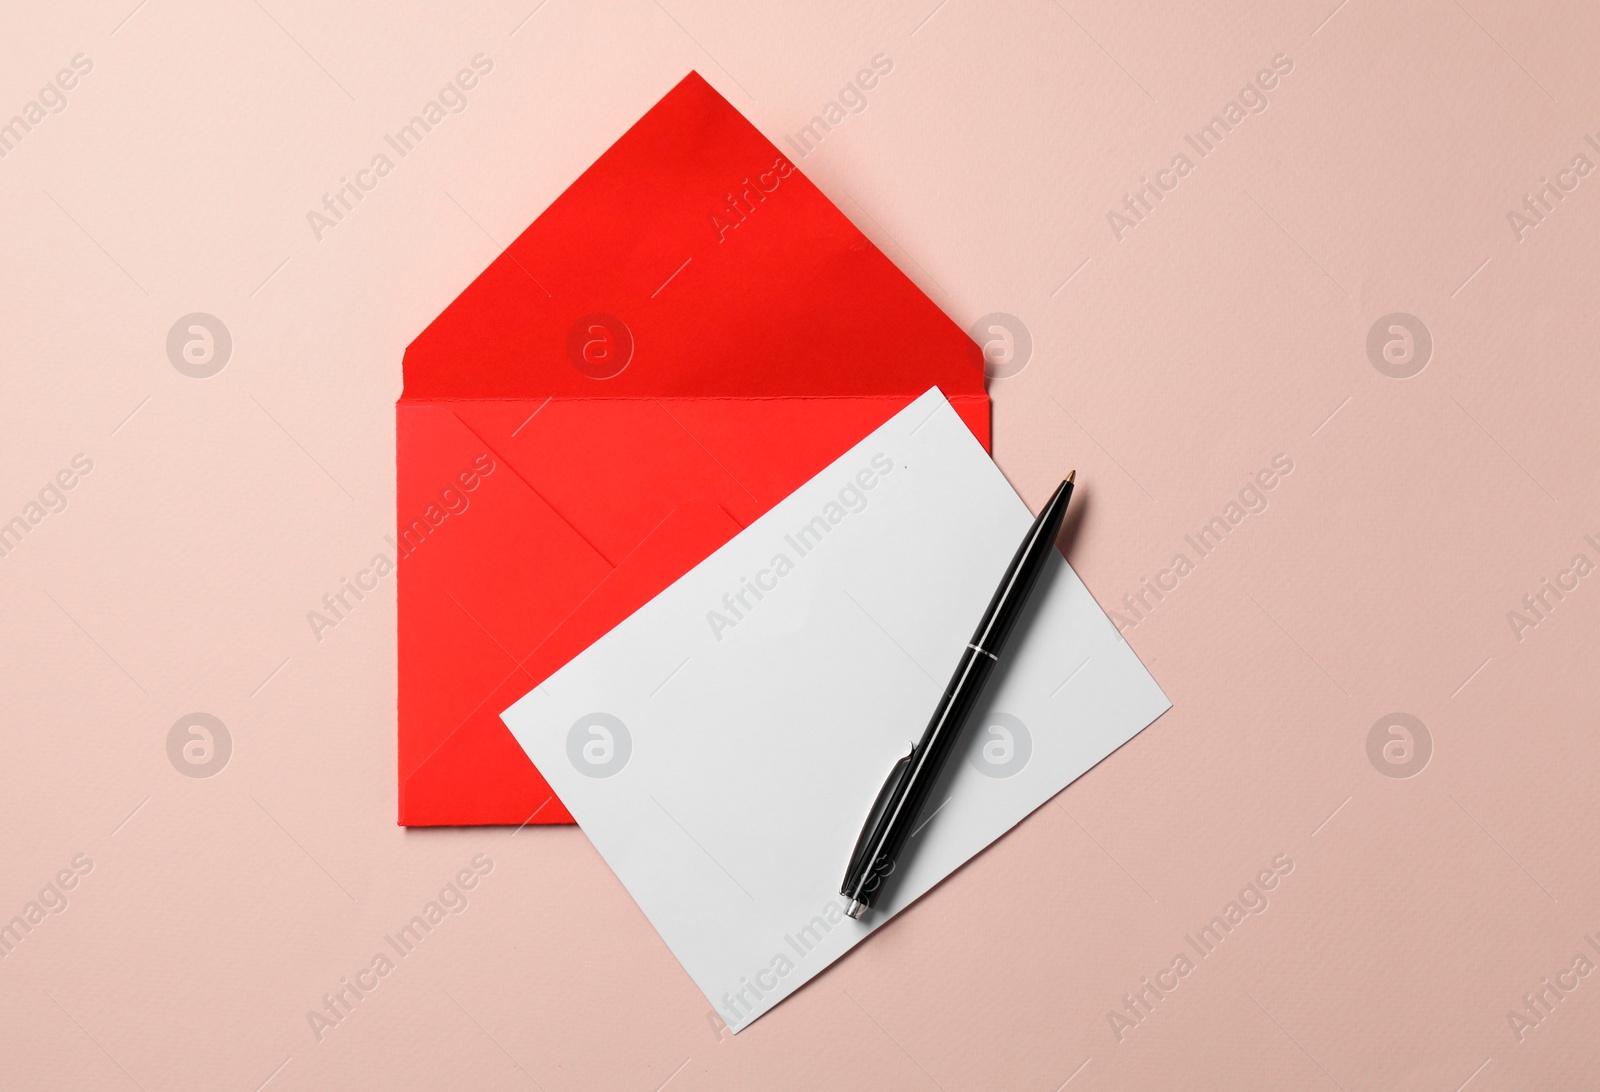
1071,474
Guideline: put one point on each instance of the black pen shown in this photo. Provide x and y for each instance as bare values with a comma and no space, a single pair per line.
903,795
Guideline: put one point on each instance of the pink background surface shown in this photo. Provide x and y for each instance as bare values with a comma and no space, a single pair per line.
1230,326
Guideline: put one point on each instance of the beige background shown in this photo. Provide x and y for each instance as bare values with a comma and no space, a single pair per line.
1229,327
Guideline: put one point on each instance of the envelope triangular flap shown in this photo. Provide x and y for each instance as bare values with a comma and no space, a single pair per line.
732,275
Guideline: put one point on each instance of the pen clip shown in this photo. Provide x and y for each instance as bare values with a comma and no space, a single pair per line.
869,829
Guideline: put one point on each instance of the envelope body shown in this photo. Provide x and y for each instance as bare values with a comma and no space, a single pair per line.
684,337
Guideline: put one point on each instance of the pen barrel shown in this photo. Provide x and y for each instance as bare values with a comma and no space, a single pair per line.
1022,575
943,735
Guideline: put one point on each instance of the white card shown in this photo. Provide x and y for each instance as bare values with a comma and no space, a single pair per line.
722,747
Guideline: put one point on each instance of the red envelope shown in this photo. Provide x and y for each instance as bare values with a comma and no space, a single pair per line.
686,335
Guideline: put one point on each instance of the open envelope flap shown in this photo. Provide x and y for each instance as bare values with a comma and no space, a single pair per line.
697,257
